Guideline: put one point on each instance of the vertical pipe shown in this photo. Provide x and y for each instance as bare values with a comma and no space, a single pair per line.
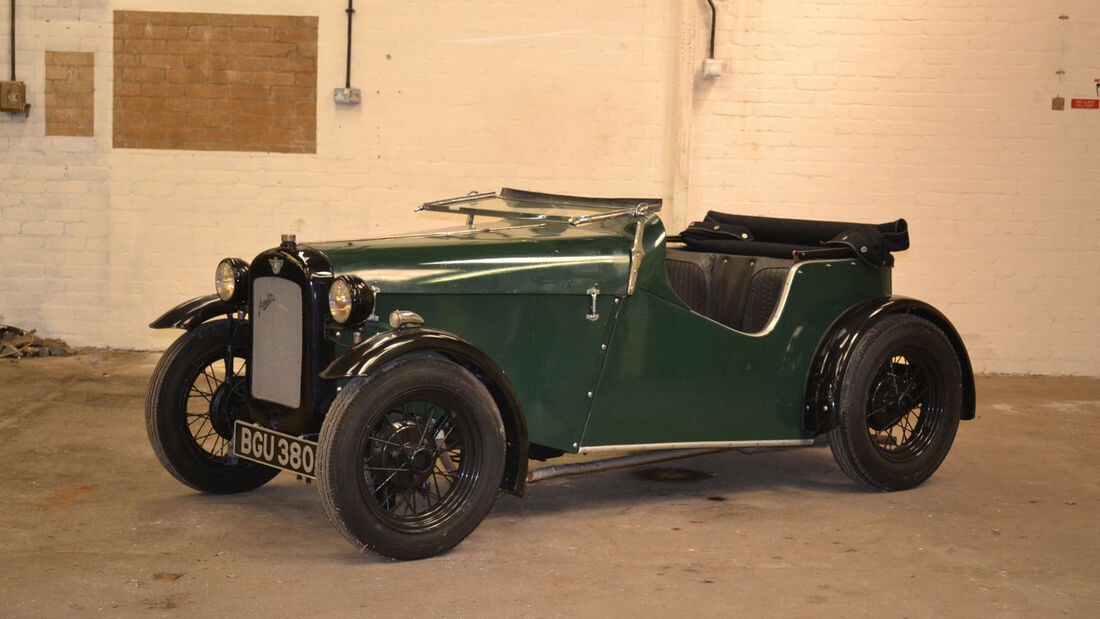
713,19
350,11
13,40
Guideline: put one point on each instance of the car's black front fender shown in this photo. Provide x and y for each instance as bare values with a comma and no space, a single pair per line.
835,351
374,353
192,313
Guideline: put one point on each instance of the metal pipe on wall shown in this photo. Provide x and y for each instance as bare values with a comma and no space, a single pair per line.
350,11
713,19
13,40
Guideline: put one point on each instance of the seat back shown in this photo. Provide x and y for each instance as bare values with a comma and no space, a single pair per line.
741,292
690,274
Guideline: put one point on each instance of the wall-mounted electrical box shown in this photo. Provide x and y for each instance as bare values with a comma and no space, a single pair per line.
13,98
347,96
712,67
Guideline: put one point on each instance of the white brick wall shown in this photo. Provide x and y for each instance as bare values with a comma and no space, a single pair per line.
54,198
461,95
935,110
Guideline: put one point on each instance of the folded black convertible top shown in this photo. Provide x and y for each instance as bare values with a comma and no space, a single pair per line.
776,237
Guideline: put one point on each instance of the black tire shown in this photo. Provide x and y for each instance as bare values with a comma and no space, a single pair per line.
410,459
900,402
190,410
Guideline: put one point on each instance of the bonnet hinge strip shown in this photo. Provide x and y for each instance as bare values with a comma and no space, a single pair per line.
637,252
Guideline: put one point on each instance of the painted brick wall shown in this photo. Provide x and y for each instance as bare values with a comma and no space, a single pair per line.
935,110
54,190
938,111
70,91
213,81
549,96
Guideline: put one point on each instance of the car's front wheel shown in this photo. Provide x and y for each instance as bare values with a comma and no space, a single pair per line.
900,402
410,458
196,393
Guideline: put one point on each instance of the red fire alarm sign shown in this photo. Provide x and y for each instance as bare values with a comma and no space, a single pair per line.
1085,104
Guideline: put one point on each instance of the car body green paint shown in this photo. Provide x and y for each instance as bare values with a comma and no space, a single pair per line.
545,346
675,376
563,307
656,371
516,258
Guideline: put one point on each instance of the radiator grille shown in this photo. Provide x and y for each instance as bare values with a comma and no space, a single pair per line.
276,368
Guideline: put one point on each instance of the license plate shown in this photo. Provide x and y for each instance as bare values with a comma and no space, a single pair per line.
275,449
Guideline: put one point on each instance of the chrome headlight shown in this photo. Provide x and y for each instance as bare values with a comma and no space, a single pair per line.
231,279
350,300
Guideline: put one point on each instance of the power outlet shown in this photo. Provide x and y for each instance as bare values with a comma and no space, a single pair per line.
712,67
347,96
13,98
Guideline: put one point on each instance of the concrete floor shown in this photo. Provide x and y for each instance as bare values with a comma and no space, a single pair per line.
91,525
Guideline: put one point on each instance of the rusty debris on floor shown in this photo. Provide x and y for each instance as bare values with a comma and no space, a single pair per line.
16,343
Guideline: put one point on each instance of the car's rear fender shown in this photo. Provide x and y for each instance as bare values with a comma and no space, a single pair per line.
835,350
192,313
378,351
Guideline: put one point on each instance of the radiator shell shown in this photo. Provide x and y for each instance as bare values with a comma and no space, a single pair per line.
277,341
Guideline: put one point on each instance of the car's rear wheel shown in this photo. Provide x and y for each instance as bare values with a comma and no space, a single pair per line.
899,407
410,458
195,396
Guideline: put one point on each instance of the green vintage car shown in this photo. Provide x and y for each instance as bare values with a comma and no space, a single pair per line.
414,377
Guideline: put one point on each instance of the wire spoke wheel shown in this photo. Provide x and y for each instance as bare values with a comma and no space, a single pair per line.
213,402
904,407
413,462
410,458
195,396
899,405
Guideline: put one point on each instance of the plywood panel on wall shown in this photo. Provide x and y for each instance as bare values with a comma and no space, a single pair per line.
212,81
70,89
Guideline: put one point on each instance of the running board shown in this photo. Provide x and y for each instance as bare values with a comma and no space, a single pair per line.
797,442
656,453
